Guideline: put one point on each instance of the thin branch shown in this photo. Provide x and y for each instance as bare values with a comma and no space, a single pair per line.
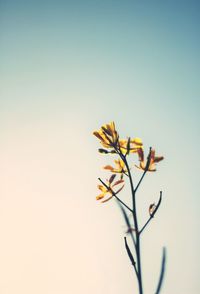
146,169
131,184
114,194
145,225
162,271
152,214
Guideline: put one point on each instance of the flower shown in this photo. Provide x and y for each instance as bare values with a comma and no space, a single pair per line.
107,135
151,161
130,145
109,138
120,167
152,208
108,188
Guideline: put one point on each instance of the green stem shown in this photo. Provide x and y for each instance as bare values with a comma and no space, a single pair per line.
140,180
137,245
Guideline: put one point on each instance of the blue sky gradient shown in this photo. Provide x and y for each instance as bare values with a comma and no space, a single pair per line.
67,67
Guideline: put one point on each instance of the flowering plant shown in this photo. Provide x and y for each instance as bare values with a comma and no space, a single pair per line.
113,144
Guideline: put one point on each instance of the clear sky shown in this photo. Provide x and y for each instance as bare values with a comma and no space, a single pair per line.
67,67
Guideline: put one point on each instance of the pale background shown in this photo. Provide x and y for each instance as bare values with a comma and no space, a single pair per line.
67,67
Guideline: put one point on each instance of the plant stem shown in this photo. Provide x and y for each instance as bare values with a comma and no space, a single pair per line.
137,245
140,180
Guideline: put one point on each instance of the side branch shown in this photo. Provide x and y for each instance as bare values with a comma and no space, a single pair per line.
114,194
152,214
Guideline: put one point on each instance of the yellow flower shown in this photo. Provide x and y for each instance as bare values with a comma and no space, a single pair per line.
108,189
108,135
130,145
120,167
109,139
152,163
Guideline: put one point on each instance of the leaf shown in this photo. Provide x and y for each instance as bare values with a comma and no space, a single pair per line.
129,253
162,271
125,216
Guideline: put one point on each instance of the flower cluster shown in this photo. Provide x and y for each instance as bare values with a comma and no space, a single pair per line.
122,169
113,144
109,138
149,165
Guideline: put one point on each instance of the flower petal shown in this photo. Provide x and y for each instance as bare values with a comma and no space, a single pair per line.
152,208
107,199
102,188
119,189
158,158
140,154
100,196
137,141
112,178
117,183
109,167
96,133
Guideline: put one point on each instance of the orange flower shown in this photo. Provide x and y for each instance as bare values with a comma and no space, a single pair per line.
120,167
152,160
108,188
108,135
109,138
130,145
